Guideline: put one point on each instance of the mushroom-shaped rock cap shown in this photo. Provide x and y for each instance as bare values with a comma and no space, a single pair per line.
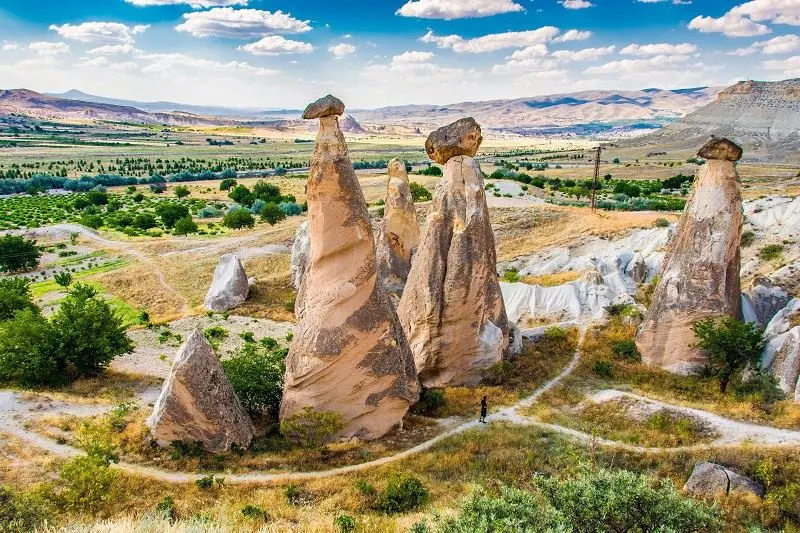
462,137
325,106
720,148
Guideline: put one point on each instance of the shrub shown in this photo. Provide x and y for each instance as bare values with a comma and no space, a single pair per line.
181,449
344,523
771,252
256,374
661,223
87,483
603,369
731,346
145,221
748,238
166,508
310,428
258,206
242,196
181,191
97,197
761,387
92,221
498,373
420,193
185,226
511,275
254,512
208,482
27,352
170,213
63,279
23,511
18,254
430,401
555,333
626,350
431,170
238,218
209,212
291,209
403,493
158,188
15,295
226,184
272,214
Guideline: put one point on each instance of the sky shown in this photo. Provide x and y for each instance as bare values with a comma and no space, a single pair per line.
372,53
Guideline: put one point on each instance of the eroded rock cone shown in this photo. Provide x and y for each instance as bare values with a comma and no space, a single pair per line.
229,287
452,309
398,236
197,402
782,352
349,353
700,276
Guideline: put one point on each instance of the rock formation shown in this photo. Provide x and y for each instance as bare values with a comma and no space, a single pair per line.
300,252
229,287
349,353
452,309
398,236
700,277
197,402
763,300
709,480
782,352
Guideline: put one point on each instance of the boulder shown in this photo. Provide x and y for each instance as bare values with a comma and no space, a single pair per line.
782,351
721,149
452,308
197,402
300,252
700,276
637,268
349,354
462,137
229,287
398,235
324,107
709,480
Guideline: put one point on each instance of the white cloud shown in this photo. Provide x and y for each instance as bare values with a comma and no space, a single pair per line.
730,25
456,9
413,56
742,52
492,42
8,46
341,50
776,11
197,4
638,66
105,63
274,45
789,67
585,54
573,35
783,44
575,4
44,48
658,49
675,2
112,49
413,67
90,32
240,23
531,52
166,63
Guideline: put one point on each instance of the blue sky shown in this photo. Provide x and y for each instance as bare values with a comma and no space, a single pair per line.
283,53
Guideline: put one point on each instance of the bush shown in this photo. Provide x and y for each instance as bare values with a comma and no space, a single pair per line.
345,523
256,374
511,275
272,214
238,218
748,238
63,279
158,188
209,212
242,196
267,192
626,350
403,493
87,483
420,193
15,295
227,184
97,197
92,221
27,352
771,252
603,369
166,508
170,213
661,223
498,373
254,512
18,254
430,401
185,226
145,221
310,428
731,346
291,209
23,511
181,191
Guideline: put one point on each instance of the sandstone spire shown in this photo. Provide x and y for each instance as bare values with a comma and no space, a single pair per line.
452,310
700,276
398,236
349,353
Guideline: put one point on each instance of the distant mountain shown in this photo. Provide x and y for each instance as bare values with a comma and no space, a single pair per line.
762,116
348,124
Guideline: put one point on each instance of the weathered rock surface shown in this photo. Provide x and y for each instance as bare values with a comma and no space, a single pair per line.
762,301
721,149
398,236
782,352
452,309
462,137
301,249
349,352
710,479
197,402
324,107
700,277
229,287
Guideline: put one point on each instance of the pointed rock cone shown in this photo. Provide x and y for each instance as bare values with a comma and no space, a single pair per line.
229,287
197,402
700,276
452,309
349,353
398,236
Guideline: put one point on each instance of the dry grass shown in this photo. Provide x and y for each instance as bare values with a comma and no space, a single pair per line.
273,295
551,280
138,286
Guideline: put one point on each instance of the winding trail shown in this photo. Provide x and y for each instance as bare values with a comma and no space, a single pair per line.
741,433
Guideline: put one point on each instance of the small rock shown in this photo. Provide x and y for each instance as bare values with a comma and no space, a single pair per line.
462,137
251,281
710,480
721,149
325,106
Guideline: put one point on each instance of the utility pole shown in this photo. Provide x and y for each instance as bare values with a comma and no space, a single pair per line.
596,181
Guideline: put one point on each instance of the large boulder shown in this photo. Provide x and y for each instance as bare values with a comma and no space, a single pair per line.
700,276
398,236
349,353
462,137
709,480
229,287
452,309
197,402
782,352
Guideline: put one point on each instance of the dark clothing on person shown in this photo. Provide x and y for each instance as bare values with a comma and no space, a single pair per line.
484,410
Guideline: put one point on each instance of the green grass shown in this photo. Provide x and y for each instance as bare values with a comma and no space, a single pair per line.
40,288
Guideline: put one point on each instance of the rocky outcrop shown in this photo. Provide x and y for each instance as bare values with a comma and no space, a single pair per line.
349,353
348,124
709,480
452,309
197,402
782,352
700,277
229,287
462,137
301,249
398,236
762,301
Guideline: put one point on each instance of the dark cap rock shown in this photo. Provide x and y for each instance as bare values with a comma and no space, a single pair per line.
324,107
720,148
462,137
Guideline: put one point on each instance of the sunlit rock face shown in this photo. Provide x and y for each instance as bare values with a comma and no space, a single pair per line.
349,353
700,276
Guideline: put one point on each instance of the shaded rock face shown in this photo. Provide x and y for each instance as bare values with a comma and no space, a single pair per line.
762,301
398,236
301,249
229,287
782,352
462,137
709,480
197,402
349,353
700,276
452,309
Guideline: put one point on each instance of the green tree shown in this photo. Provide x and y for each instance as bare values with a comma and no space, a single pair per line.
18,254
27,354
185,226
145,221
181,191
97,197
242,196
272,214
420,193
730,345
63,279
15,295
267,192
88,333
256,374
238,218
227,184
170,213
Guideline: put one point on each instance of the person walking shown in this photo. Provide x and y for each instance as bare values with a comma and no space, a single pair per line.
484,409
